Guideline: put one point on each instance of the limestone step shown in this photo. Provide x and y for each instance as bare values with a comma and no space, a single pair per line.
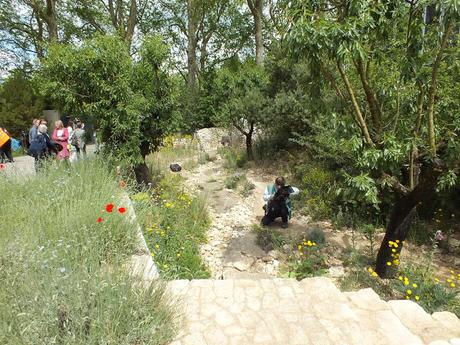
311,311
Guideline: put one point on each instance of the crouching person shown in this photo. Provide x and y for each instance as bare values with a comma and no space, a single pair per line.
278,203
41,147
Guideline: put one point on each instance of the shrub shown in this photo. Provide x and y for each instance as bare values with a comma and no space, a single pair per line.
316,235
268,239
247,187
231,182
62,276
434,294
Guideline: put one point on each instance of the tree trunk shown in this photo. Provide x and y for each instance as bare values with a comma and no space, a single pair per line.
132,21
432,91
191,45
143,175
249,149
256,7
403,214
51,20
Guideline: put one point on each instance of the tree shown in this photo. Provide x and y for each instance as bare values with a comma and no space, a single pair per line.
344,40
256,7
129,102
19,102
240,99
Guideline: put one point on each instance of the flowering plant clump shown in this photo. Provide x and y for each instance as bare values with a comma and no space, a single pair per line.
175,225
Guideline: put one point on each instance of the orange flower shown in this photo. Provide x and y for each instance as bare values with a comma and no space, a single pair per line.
2,166
99,220
122,184
109,208
122,210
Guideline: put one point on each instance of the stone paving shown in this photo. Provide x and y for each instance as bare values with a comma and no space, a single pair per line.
311,311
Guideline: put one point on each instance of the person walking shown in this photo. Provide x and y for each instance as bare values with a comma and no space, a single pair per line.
79,134
41,147
33,131
61,136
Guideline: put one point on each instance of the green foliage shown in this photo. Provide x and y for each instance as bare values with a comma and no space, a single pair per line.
98,79
175,224
19,102
421,285
268,238
232,181
316,235
312,263
62,274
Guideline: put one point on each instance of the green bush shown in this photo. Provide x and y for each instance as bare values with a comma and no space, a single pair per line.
316,235
175,224
247,187
233,157
62,275
434,294
268,239
232,181
317,190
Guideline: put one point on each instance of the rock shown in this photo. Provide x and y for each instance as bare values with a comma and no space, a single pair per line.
336,271
175,167
244,264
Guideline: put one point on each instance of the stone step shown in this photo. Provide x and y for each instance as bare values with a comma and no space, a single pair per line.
311,311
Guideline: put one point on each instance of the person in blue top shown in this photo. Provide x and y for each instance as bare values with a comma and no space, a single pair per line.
277,201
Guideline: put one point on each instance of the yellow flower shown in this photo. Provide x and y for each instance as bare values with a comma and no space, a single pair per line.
178,255
417,298
396,245
388,263
406,282
436,280
157,246
449,280
374,274
397,241
400,278
414,285
299,247
393,250
452,284
152,254
409,292
314,244
370,270
407,297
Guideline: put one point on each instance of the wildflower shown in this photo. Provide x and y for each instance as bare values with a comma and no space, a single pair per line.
122,184
62,269
436,280
414,285
157,246
152,255
178,255
393,250
417,298
400,278
109,207
397,241
452,284
168,205
449,280
374,274
313,244
2,166
407,297
299,247
99,220
370,270
409,292
388,263
121,210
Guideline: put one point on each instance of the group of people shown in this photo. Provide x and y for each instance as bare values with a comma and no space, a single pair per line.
66,143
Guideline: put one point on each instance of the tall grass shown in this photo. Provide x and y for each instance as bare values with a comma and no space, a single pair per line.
175,224
62,276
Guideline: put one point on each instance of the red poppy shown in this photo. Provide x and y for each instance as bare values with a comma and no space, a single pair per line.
109,207
122,210
122,184
2,166
99,220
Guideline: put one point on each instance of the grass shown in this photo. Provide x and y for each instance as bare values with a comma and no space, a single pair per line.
175,224
268,238
62,279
